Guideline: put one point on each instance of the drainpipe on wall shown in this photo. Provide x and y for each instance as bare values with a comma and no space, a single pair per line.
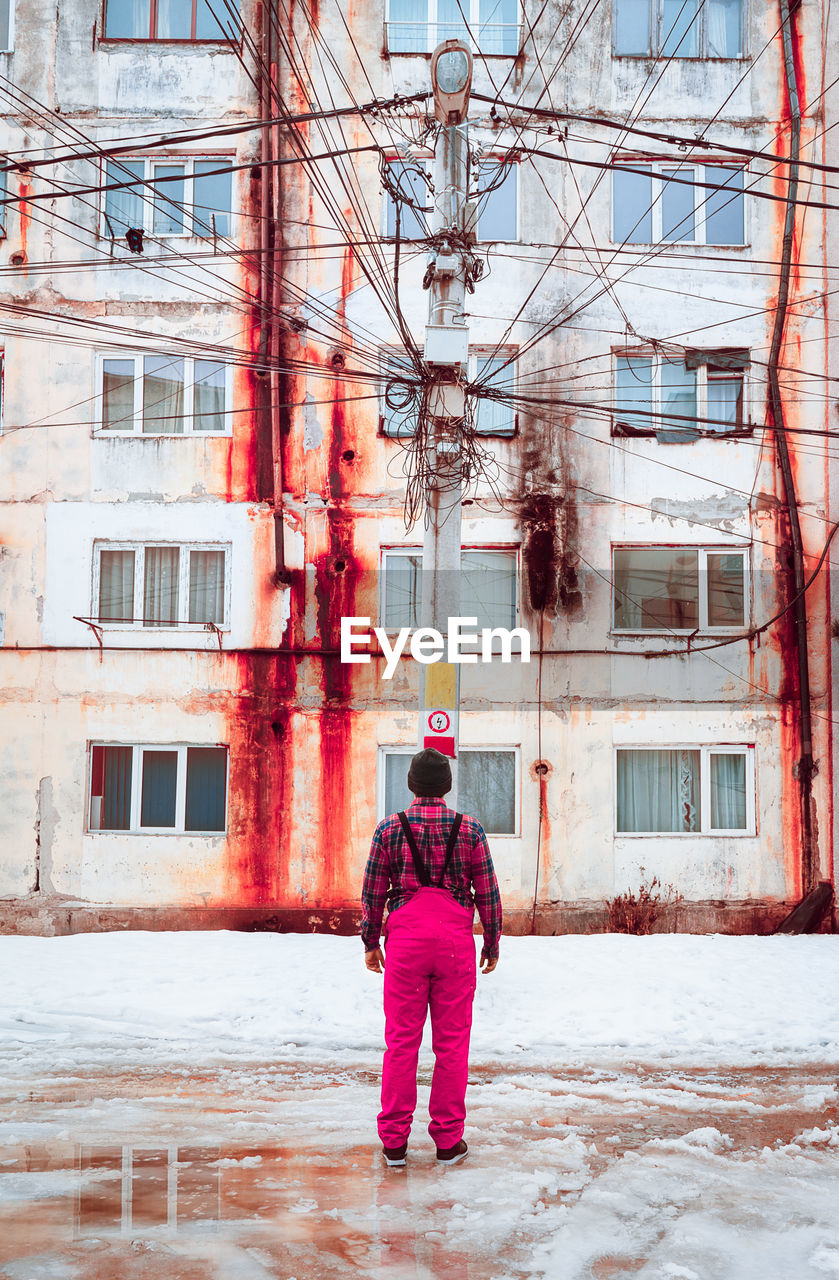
270,254
805,767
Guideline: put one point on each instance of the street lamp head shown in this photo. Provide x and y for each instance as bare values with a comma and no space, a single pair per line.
451,80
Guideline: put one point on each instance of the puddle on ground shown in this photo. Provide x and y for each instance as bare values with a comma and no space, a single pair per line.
114,1177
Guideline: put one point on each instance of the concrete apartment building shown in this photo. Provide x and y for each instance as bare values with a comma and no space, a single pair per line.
207,424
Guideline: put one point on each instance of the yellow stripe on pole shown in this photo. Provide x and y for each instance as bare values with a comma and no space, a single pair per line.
441,684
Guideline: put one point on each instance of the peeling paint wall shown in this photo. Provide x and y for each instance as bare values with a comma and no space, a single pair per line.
305,734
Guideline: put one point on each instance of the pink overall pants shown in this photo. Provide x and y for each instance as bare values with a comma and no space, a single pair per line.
430,963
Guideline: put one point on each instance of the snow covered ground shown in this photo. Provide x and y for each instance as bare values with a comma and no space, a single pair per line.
603,999
203,1105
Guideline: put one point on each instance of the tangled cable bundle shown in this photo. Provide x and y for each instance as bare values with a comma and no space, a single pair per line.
467,460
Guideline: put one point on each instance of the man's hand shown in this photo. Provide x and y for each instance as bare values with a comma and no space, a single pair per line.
488,963
375,960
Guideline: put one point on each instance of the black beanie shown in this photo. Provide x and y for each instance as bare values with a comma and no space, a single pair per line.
430,773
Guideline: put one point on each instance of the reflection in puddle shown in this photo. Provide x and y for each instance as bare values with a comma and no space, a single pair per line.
258,1211
124,1189
156,1175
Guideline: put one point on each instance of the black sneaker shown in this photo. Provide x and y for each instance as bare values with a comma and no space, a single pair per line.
452,1155
395,1155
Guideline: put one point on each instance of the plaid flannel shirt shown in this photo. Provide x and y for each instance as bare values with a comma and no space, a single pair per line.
390,877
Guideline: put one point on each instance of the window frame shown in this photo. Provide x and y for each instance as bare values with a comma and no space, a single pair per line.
402,551
191,231
139,548
477,354
474,24
656,164
137,749
703,550
155,39
426,158
138,357
385,749
658,424
706,750
9,46
656,41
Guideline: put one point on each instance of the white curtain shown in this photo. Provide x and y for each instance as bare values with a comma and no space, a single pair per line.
174,19
128,19
658,790
208,407
407,28
726,591
206,586
116,586
488,588
486,786
724,401
123,207
403,590
163,395
678,395
728,791
118,395
724,28
160,594
655,588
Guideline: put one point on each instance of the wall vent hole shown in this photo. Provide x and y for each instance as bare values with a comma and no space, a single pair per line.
339,566
348,455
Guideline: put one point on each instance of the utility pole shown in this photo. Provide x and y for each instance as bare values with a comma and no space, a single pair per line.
446,354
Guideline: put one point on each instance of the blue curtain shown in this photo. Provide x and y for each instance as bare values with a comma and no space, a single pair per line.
116,803
160,776
206,785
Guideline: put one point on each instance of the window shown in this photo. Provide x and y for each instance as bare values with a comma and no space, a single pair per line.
164,19
164,395
490,367
7,22
678,28
703,390
152,585
685,790
495,195
497,200
164,789
679,203
186,196
488,588
410,181
679,588
487,785
418,26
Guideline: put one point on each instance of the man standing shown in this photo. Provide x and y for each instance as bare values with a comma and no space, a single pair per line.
432,867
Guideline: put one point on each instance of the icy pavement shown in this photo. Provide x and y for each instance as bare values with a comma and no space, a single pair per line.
203,1105
273,1171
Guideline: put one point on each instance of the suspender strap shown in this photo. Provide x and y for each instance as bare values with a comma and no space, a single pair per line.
419,866
452,841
